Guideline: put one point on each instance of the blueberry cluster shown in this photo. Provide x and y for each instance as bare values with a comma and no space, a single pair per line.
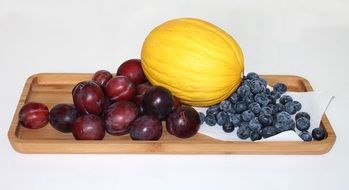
259,112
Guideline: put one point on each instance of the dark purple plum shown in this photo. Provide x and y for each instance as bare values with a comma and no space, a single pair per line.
146,127
176,102
138,99
34,115
89,127
63,116
120,88
107,103
119,116
88,98
143,88
102,77
183,122
157,101
133,70
140,110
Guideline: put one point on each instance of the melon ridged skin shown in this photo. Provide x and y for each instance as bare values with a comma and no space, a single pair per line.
197,61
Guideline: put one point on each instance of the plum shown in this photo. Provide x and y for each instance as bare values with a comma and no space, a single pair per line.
143,88
63,116
183,122
107,103
133,70
146,127
102,77
138,99
157,101
34,115
176,102
120,88
140,110
89,127
88,98
119,116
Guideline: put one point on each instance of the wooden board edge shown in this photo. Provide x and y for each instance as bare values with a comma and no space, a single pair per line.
11,134
23,146
300,148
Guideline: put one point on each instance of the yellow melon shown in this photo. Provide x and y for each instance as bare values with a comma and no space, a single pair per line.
198,62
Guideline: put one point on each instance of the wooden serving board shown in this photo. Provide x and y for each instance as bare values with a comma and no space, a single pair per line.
54,88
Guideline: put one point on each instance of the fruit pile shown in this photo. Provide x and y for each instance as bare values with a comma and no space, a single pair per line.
259,112
119,105
187,58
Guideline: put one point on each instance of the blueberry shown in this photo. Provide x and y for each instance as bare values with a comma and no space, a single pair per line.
280,107
243,132
275,94
266,110
283,116
271,100
210,120
252,75
240,107
265,119
284,126
246,82
290,107
254,125
257,86
202,118
249,98
235,119
222,118
247,115
243,90
280,87
273,109
297,105
305,136
225,105
213,110
267,91
268,131
255,108
264,82
318,133
228,127
302,114
302,124
284,122
285,99
231,111
234,98
244,124
262,99
255,135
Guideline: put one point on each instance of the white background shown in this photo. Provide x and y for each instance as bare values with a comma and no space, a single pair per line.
306,38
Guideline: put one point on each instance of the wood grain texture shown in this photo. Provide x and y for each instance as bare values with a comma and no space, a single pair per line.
54,88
